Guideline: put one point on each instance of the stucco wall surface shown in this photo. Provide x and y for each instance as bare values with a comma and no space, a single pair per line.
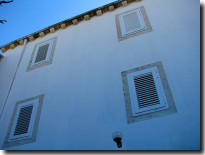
84,102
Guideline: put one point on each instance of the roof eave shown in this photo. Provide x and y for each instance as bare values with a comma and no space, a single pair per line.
71,21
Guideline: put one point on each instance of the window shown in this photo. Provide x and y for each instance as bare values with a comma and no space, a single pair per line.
42,54
132,23
146,91
146,95
24,122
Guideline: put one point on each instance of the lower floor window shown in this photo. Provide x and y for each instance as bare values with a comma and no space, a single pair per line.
24,122
147,93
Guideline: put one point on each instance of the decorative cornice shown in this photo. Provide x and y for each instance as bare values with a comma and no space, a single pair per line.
71,21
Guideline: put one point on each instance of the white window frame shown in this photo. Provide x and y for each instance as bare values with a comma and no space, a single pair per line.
31,124
162,98
141,19
50,42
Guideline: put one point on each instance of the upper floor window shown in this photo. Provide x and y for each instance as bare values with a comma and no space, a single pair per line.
132,23
42,54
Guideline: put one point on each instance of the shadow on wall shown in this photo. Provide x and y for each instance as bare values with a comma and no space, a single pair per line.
49,152
1,56
202,29
202,71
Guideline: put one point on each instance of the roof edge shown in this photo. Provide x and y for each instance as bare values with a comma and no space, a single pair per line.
71,21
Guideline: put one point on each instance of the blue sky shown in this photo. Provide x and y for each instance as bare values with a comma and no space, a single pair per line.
27,16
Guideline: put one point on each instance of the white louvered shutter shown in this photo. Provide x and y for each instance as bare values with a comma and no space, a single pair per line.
131,22
42,53
146,91
24,120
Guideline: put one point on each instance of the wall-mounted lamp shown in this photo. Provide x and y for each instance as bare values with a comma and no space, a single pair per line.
117,137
